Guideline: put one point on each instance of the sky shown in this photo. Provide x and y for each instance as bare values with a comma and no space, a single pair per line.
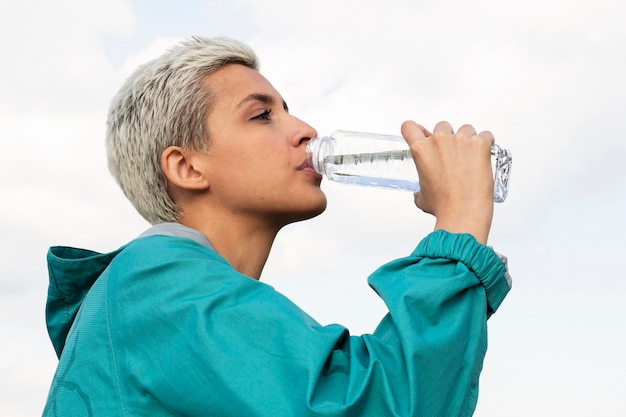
545,76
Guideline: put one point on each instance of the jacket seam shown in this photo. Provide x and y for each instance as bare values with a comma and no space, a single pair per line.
115,366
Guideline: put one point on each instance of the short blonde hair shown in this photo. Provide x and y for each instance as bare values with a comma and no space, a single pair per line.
163,103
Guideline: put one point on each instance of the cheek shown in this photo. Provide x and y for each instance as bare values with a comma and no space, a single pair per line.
256,165
246,173
269,159
232,161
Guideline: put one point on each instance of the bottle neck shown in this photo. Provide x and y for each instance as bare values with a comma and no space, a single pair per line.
317,150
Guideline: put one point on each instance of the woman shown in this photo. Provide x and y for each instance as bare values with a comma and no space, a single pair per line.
176,321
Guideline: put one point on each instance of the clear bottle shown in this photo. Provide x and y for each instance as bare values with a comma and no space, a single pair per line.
384,161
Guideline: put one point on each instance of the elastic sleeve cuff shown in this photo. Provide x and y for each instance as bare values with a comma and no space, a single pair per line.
482,260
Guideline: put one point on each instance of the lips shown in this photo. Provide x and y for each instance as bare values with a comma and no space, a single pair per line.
307,165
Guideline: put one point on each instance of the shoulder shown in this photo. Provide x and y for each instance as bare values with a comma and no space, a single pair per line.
156,255
168,268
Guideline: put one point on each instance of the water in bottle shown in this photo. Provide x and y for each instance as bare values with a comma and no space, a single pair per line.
384,161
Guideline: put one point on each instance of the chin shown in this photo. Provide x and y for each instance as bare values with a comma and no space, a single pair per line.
321,206
310,211
319,210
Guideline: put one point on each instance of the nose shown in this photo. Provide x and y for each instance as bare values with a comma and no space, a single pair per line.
303,133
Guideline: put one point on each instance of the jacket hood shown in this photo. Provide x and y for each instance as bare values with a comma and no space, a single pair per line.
72,273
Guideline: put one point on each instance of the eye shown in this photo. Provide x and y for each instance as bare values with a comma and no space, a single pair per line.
263,116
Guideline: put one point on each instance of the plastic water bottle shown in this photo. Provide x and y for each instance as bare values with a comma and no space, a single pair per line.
384,161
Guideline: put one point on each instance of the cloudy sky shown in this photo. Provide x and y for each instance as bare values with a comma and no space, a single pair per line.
545,76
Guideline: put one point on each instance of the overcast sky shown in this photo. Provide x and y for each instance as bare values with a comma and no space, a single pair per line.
547,77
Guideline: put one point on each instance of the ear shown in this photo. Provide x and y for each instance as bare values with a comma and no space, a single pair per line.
184,168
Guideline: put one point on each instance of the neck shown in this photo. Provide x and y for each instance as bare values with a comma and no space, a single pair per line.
244,244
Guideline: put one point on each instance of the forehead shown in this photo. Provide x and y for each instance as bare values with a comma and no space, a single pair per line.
233,83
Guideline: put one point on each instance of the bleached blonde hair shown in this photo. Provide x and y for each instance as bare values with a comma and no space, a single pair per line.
164,103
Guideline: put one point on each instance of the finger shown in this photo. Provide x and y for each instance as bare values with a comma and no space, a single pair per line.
413,131
443,127
466,130
488,135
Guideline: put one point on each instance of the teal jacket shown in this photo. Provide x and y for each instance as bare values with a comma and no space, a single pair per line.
164,326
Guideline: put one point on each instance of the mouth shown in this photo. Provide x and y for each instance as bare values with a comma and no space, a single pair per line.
307,166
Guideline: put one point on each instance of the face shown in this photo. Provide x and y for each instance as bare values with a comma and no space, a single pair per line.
256,156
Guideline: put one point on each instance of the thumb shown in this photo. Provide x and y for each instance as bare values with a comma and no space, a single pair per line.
412,131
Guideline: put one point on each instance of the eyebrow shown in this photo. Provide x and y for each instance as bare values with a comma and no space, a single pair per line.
263,98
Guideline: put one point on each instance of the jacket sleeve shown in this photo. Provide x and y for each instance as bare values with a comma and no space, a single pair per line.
194,337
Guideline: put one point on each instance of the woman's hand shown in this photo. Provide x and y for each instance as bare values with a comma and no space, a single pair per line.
456,182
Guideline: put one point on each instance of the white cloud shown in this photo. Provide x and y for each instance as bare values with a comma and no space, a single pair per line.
53,57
